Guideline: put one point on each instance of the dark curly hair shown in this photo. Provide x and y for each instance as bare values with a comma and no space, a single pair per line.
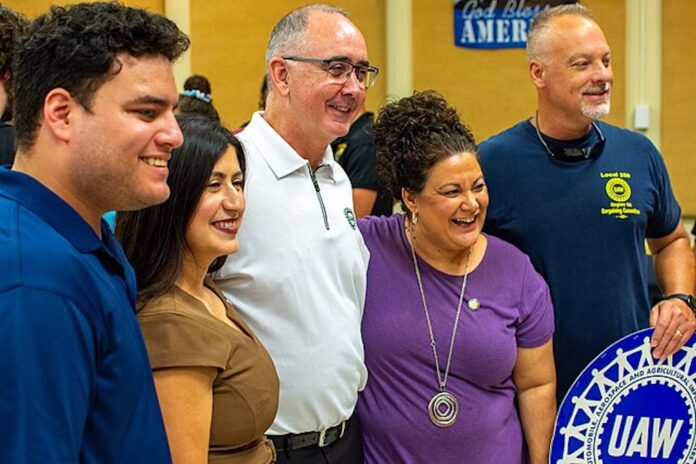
12,27
154,238
189,104
412,135
76,47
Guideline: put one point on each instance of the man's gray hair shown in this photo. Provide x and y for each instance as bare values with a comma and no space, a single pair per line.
540,25
290,32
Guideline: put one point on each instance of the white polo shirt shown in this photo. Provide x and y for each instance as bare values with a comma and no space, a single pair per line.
299,279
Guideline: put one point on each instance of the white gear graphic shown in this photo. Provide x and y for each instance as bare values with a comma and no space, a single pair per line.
627,372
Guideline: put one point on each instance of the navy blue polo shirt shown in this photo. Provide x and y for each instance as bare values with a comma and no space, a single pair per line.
75,380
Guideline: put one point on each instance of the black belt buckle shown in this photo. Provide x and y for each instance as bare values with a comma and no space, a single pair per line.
322,435
322,438
290,442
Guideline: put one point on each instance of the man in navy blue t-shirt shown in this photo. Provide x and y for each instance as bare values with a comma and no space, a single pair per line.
94,100
580,197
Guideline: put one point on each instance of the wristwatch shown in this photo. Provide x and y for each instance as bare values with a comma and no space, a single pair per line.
688,299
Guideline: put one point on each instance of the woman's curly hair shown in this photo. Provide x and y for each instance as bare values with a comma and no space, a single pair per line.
412,135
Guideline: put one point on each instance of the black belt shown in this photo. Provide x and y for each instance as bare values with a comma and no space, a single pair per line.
293,441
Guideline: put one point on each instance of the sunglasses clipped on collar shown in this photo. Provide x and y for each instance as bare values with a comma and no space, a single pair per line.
572,153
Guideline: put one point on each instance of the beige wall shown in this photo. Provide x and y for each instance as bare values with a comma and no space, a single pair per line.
229,40
679,98
31,8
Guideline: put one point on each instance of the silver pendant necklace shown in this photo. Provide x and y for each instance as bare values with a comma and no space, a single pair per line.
443,407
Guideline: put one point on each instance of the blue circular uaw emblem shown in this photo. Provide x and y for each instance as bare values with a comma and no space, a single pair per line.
627,407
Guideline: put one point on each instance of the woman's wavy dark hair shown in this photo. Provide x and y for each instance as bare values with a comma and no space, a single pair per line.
154,238
412,135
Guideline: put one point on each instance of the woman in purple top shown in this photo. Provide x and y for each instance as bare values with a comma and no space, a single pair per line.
458,324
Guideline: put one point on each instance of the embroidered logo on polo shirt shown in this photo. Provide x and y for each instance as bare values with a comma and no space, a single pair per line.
350,217
627,407
618,189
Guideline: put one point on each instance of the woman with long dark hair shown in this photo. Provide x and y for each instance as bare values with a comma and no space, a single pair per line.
216,384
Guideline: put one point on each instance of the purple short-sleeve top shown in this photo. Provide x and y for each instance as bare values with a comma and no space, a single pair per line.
515,312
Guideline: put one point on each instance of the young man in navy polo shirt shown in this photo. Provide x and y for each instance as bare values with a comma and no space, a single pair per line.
94,100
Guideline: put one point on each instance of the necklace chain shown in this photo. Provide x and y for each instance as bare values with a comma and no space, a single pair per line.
441,379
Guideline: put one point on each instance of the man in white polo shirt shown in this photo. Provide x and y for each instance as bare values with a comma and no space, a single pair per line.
299,278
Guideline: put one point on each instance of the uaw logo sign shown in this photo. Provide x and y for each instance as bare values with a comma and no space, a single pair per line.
627,407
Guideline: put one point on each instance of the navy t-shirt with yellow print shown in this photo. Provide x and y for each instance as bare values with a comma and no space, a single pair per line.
583,223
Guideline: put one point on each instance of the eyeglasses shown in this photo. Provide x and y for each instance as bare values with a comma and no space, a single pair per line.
572,153
339,71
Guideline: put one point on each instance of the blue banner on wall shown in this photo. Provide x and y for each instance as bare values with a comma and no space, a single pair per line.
496,24
627,407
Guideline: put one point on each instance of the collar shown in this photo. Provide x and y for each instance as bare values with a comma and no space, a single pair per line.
590,137
34,196
278,154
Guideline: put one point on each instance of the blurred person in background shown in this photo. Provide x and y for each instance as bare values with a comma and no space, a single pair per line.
197,98
12,26
356,153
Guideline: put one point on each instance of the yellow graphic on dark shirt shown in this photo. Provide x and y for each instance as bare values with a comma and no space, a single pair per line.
618,189
340,149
